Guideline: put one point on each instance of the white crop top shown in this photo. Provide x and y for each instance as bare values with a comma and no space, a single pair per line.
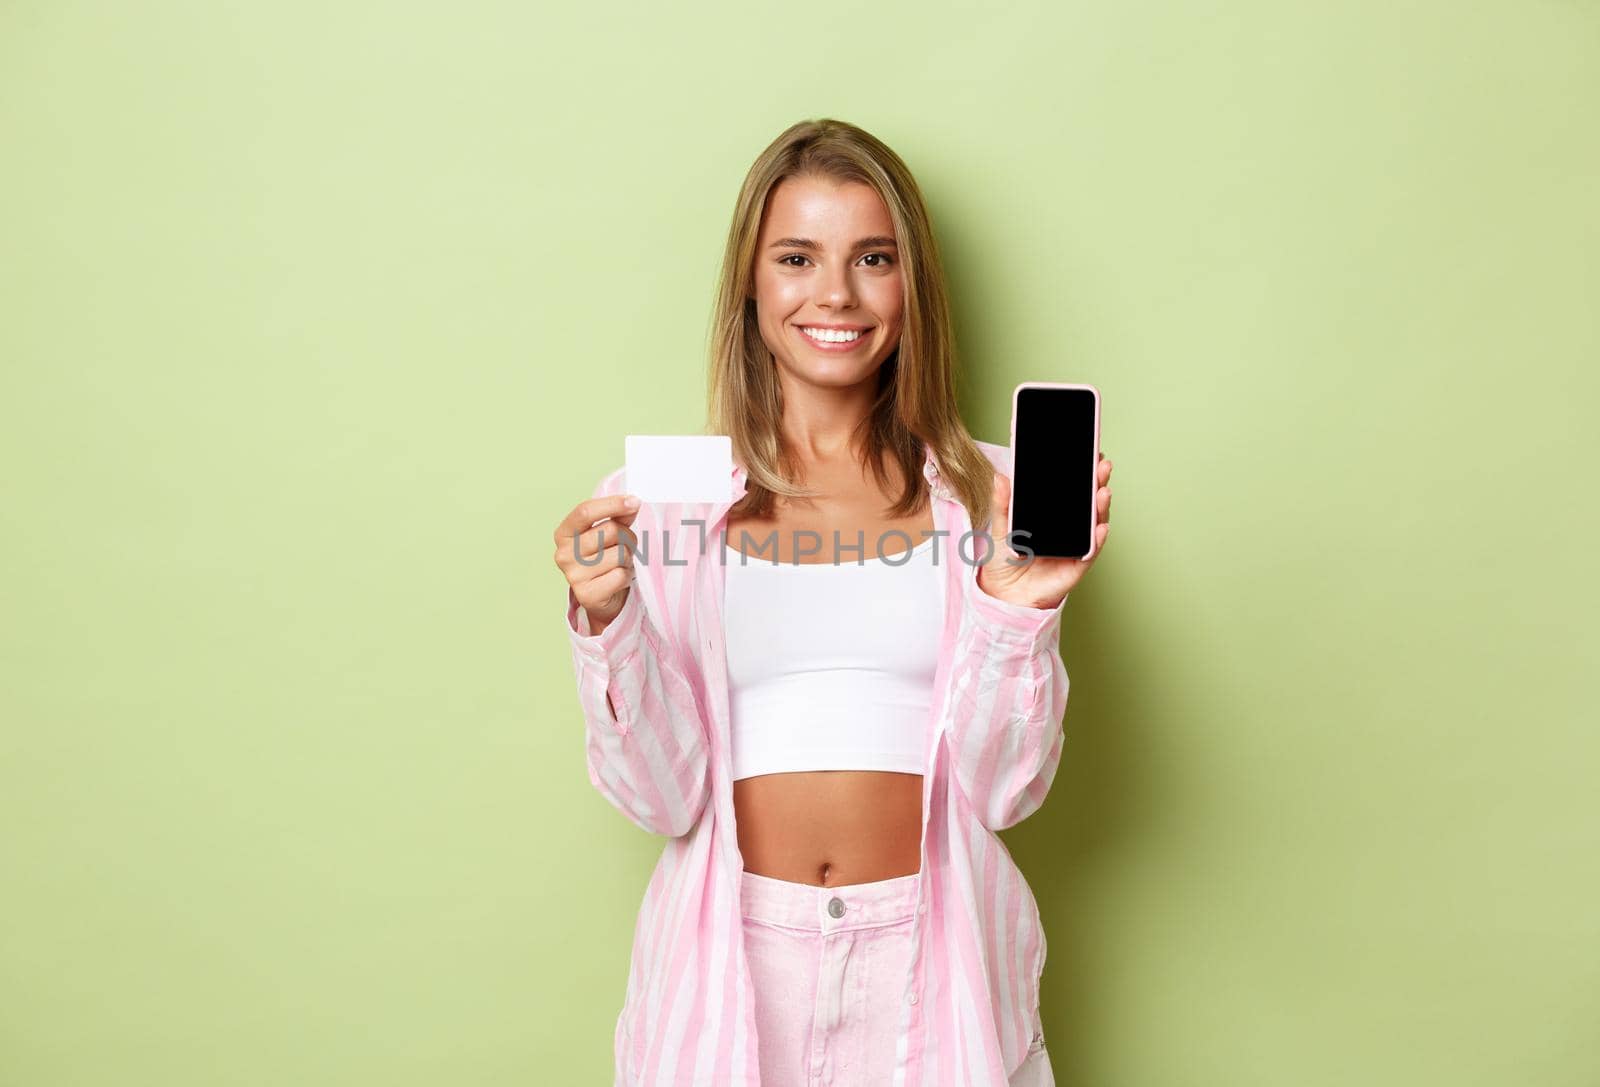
831,666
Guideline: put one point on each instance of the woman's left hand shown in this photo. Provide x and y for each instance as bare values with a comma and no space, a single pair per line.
1040,581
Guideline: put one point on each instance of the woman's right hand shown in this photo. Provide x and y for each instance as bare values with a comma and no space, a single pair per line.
590,552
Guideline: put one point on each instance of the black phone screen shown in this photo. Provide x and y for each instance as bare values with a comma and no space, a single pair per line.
1053,471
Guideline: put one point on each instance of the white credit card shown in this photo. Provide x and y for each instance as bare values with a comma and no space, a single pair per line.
679,467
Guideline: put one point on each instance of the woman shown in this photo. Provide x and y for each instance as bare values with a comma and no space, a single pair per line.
826,718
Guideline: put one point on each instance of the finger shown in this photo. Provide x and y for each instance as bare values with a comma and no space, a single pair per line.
586,541
1000,519
1103,471
598,565
587,545
600,581
596,591
605,535
586,513
1103,505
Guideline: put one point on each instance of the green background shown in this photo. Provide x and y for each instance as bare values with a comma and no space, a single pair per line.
316,319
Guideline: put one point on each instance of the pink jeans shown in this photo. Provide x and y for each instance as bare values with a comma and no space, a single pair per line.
828,965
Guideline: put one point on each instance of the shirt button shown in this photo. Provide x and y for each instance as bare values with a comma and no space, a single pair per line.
913,998
922,907
836,907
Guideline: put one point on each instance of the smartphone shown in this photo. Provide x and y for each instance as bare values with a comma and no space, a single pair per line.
1055,456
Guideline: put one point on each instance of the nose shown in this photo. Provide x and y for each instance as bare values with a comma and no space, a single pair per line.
835,288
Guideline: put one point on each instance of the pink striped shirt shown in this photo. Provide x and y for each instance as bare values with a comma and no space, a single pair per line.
970,1010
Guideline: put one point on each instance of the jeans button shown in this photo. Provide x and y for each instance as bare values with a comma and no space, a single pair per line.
836,907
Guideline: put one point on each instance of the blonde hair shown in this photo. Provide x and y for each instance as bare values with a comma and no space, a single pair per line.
916,400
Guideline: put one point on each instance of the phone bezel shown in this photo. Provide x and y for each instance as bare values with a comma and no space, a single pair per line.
1094,515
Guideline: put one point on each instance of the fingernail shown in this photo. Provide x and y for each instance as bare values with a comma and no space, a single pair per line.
632,502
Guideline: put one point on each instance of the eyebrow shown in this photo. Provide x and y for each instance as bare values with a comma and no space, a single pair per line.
806,243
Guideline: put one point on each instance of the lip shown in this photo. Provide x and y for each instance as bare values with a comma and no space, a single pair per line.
835,348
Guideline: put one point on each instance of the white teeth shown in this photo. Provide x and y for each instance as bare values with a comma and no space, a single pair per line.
831,335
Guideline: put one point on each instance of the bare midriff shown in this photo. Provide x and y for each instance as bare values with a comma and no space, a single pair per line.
831,828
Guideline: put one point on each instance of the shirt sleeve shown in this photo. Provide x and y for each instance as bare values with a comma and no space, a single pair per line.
1005,733
649,758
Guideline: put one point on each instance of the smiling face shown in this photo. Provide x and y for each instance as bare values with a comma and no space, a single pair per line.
827,281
